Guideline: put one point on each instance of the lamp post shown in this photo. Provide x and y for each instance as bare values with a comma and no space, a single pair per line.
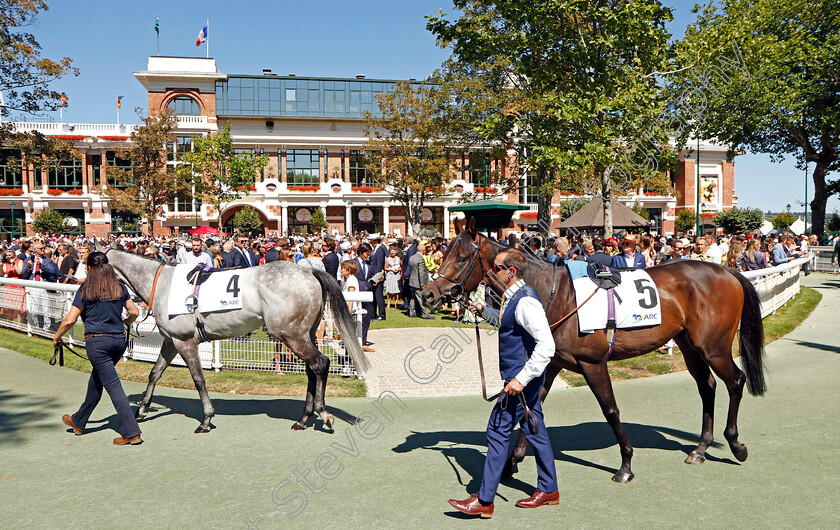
806,195
12,207
197,204
788,208
697,211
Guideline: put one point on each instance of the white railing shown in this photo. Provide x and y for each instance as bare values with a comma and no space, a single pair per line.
37,308
821,259
776,285
101,129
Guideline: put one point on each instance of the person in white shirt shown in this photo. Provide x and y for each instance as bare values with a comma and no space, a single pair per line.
197,256
714,251
526,346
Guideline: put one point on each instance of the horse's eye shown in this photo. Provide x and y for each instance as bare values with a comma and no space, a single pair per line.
462,258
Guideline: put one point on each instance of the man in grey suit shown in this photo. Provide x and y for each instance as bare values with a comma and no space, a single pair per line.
418,276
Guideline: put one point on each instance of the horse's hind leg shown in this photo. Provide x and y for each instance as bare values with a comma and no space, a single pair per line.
317,367
167,353
518,454
734,379
189,352
598,379
699,370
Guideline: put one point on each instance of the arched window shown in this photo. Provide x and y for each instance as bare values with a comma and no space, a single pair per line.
185,107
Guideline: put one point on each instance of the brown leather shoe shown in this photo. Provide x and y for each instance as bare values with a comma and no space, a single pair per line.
128,441
367,349
539,498
68,420
473,506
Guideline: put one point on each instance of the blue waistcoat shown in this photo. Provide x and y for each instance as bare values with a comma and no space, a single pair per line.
515,343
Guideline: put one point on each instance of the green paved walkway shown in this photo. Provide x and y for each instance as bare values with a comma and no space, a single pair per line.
430,451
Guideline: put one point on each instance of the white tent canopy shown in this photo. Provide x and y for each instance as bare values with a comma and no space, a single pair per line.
798,226
766,227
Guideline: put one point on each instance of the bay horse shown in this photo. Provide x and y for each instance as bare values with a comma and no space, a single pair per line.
287,298
702,305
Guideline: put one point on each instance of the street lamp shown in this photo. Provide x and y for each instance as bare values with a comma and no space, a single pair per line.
788,208
12,207
197,205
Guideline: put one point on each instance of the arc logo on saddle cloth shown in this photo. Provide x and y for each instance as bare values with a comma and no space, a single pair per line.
636,300
220,292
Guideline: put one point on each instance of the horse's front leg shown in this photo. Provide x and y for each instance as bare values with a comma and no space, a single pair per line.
189,352
598,379
518,454
167,353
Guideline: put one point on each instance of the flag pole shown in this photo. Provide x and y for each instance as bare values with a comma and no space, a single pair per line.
157,32
207,48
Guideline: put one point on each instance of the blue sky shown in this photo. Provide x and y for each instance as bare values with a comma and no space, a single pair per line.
109,40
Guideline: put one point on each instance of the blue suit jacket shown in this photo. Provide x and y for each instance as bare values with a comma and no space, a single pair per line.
410,251
619,260
364,279
377,258
238,260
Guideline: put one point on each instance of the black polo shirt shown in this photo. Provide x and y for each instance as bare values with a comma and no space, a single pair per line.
103,316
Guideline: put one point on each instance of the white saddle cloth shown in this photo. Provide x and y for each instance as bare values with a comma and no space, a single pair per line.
221,292
636,302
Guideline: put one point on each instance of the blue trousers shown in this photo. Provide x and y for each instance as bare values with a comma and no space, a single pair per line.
507,413
104,351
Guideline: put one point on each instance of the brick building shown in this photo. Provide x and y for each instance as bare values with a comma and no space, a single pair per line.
311,131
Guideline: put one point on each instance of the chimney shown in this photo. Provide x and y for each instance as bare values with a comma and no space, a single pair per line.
266,71
360,76
412,80
291,75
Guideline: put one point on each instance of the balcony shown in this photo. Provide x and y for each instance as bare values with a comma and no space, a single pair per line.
92,131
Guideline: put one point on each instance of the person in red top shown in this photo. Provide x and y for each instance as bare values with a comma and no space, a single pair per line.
13,295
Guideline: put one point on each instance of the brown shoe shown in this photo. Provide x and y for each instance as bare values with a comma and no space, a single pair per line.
69,422
128,441
473,506
539,498
368,349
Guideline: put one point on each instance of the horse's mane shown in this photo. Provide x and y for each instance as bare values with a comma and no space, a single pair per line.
148,258
529,256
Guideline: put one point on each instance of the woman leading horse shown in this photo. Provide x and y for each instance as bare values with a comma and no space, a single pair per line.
702,306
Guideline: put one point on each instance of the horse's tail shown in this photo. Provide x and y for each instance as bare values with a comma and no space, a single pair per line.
343,320
751,341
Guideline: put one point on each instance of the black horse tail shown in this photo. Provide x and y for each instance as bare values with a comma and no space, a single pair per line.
751,341
343,320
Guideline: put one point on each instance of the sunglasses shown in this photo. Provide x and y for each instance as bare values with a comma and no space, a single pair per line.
499,268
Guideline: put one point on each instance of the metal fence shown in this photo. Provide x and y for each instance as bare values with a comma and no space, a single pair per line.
38,308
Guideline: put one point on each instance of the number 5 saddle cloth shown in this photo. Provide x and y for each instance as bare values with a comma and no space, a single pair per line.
636,300
220,291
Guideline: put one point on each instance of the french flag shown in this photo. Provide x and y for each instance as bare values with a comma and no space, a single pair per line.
202,35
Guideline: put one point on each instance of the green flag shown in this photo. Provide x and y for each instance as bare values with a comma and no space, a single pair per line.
157,25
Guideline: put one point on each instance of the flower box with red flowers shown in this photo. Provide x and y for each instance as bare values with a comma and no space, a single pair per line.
488,189
54,192
11,192
75,192
366,189
114,138
708,215
436,189
68,136
304,188
528,215
246,188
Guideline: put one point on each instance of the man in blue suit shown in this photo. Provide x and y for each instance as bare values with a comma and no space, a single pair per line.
241,255
629,257
406,289
377,264
364,276
526,346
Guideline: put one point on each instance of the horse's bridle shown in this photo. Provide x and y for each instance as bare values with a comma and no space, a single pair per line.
475,258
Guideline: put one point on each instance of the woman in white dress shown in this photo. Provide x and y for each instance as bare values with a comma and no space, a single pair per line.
350,283
393,268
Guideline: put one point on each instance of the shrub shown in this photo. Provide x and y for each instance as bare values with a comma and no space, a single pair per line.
739,220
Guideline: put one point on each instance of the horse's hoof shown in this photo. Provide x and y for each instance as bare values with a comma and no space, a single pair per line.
201,429
623,477
695,459
139,415
298,426
329,421
740,453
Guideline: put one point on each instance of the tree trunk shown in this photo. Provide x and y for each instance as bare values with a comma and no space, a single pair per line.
820,198
543,203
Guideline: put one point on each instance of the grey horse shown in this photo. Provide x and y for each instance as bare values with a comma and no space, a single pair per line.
287,298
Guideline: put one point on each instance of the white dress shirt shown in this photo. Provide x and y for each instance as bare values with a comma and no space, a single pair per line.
191,259
531,316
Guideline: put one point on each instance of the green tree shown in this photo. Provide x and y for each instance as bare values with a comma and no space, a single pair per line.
247,220
318,221
761,76
739,220
218,172
150,184
783,221
833,223
573,87
641,211
409,153
570,207
685,220
50,221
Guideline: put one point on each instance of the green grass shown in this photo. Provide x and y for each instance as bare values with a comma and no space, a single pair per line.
226,381
400,319
775,326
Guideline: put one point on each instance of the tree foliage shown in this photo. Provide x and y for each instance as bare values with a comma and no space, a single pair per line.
25,76
50,221
783,221
570,85
247,220
761,76
218,173
408,153
739,220
318,221
832,224
151,183
641,211
685,220
570,207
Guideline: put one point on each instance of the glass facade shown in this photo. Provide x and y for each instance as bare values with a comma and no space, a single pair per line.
528,191
66,175
116,162
358,172
295,96
10,164
302,167
185,107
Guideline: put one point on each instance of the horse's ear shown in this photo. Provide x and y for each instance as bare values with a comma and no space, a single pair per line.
457,224
471,227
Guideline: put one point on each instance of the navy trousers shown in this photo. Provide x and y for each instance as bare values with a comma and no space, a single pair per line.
104,351
507,413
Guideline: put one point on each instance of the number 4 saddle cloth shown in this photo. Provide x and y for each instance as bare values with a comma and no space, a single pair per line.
636,300
220,291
